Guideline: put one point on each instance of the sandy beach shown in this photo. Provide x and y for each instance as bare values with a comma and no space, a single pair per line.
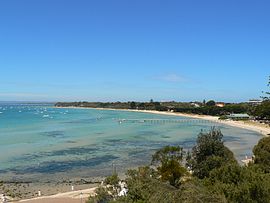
249,125
78,196
50,192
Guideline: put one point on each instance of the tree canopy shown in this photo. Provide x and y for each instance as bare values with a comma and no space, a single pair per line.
211,103
209,153
262,153
262,112
168,162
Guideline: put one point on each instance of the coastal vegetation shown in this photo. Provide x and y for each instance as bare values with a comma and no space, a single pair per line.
262,112
209,173
209,108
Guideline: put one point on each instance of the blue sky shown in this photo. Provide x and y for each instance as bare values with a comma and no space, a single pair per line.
63,50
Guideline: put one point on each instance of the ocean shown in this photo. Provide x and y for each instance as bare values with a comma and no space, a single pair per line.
40,142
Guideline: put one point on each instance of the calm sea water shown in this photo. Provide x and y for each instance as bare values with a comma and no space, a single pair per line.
42,142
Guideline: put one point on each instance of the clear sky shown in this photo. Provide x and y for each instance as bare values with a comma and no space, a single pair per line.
183,50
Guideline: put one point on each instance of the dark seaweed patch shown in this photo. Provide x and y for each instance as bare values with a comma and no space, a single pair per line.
72,151
54,134
147,133
4,171
114,140
115,143
71,141
149,144
232,139
64,152
138,153
63,166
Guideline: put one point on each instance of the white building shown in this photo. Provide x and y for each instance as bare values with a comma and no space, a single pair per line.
255,101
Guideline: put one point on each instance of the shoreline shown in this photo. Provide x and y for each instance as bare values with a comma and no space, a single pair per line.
248,125
49,192
73,196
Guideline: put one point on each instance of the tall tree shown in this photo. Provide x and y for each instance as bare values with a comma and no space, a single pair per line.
267,93
204,102
262,111
262,154
132,105
209,153
211,103
168,162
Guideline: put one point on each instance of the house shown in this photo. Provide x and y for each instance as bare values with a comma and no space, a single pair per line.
254,102
220,104
194,104
239,116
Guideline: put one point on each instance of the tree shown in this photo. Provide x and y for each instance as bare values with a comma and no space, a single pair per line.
262,111
102,196
112,180
107,193
267,94
132,105
144,186
240,184
168,153
141,184
209,153
168,162
141,105
211,103
262,154
188,160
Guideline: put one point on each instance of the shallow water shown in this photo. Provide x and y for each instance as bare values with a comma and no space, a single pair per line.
42,142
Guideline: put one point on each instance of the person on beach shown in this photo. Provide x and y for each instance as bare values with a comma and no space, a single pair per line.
3,198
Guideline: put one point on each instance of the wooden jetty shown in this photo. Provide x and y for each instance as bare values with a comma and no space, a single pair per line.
149,120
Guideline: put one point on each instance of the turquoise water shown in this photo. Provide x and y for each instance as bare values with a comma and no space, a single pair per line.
42,142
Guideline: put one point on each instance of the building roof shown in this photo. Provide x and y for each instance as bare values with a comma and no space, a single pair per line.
238,115
255,101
